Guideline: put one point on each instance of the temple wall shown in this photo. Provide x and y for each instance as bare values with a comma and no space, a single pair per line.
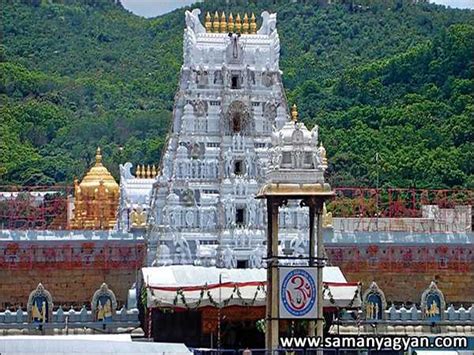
68,287
71,270
403,272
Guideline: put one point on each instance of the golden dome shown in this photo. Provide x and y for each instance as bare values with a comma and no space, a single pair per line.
95,199
97,174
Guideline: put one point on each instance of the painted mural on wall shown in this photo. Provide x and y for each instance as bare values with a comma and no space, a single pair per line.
433,303
39,311
40,305
103,311
104,304
374,303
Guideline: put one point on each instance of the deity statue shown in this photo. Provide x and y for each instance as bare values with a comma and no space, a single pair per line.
138,217
256,258
229,259
229,163
182,250
190,218
327,217
277,157
251,211
211,218
298,245
322,154
248,163
229,212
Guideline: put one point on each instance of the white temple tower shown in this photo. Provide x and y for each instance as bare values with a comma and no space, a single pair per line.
229,101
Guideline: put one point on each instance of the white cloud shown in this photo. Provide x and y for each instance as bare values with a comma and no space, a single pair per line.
461,4
152,8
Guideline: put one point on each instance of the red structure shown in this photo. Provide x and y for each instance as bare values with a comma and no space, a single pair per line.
393,203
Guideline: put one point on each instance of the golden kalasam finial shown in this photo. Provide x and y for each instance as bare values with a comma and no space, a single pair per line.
245,25
230,23
208,23
148,171
143,172
294,113
223,27
215,24
153,171
138,171
253,24
98,157
238,24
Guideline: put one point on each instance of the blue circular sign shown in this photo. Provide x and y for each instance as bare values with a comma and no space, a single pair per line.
298,292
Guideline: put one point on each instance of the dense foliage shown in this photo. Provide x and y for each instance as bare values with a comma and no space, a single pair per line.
380,77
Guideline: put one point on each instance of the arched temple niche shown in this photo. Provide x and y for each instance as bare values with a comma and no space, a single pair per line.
103,304
238,119
433,303
374,303
40,305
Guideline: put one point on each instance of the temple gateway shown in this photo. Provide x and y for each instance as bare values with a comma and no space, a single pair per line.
230,101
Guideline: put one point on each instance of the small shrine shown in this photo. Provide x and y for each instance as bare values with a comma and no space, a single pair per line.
40,305
96,198
103,304
374,303
433,304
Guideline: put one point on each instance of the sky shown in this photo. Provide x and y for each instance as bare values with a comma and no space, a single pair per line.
152,8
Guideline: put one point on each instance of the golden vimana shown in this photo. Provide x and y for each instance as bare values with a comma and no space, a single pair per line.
221,24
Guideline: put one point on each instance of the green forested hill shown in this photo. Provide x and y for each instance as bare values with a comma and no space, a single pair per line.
384,77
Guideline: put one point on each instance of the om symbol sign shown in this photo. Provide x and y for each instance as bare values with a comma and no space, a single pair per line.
298,292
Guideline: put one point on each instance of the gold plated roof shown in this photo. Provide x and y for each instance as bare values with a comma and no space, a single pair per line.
97,174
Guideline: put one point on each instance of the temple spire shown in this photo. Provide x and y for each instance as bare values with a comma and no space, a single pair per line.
294,113
253,24
245,26
98,157
223,26
215,24
208,23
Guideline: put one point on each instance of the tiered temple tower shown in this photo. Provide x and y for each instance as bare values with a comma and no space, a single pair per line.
229,102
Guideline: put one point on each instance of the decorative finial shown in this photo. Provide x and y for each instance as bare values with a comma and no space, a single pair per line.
208,23
253,24
238,24
143,172
138,171
148,171
98,157
322,154
215,24
245,26
230,23
223,23
294,113
153,171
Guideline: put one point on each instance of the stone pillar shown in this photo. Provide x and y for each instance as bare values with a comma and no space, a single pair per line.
320,265
312,213
272,326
